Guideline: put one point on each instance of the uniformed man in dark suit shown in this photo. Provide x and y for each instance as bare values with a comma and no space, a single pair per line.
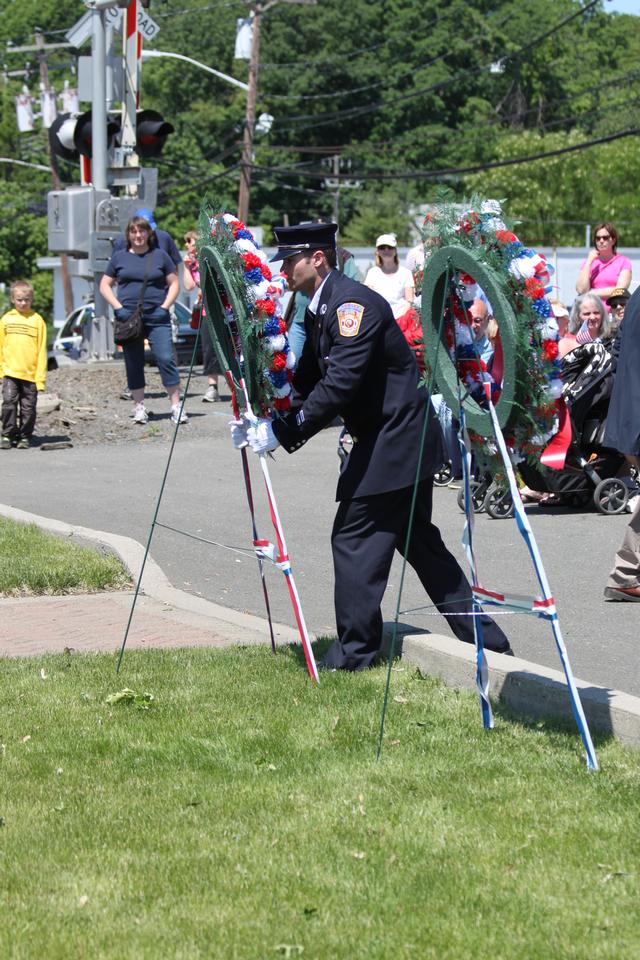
356,364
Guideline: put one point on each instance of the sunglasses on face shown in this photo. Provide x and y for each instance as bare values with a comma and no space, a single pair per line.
386,247
603,236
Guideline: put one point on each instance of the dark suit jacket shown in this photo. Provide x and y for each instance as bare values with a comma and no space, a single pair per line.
622,431
370,379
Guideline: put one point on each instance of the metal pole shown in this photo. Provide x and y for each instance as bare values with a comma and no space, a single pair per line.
55,176
250,119
99,102
152,54
98,335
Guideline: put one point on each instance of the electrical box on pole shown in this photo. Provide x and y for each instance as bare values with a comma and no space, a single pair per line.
71,219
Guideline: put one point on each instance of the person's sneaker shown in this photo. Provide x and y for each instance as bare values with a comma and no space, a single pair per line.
5,443
140,414
177,416
23,443
211,395
126,394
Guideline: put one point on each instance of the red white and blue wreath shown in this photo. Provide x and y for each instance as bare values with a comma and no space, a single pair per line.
524,278
260,328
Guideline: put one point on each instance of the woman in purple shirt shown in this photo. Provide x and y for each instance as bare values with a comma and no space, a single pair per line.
605,268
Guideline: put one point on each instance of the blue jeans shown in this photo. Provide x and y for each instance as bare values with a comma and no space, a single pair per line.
157,330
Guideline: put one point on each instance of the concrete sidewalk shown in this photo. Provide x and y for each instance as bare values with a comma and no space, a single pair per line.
167,617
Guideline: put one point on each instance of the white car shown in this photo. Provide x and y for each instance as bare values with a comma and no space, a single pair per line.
66,346
69,339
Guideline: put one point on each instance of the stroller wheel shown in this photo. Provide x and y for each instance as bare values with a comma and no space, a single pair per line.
444,475
478,493
498,503
611,495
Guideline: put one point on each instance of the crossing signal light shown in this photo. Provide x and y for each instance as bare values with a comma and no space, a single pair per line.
70,136
151,132
61,137
82,135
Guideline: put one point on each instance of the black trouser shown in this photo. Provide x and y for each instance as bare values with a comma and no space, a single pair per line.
210,365
366,533
19,399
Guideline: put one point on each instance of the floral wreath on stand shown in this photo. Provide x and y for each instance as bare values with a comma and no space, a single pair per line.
252,301
526,361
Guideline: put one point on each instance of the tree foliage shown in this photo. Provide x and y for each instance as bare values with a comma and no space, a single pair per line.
419,92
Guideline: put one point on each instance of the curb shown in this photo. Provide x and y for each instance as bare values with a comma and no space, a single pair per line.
230,623
526,688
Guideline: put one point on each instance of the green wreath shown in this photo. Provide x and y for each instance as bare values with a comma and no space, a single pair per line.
477,247
444,264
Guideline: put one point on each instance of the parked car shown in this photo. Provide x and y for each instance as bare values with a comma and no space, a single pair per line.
67,343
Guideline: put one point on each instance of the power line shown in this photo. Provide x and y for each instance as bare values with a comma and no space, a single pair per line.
412,69
354,53
351,90
323,119
409,139
200,183
202,9
451,171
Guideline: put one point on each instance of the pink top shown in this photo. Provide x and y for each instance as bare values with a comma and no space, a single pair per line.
194,269
605,273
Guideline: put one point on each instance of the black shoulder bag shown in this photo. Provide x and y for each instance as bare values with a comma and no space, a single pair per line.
130,328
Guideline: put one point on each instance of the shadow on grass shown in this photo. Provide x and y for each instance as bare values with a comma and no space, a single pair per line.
319,646
322,644
559,717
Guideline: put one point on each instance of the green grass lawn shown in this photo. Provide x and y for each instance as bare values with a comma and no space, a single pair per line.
35,562
241,814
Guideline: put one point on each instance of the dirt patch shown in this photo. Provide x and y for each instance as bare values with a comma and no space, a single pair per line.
92,411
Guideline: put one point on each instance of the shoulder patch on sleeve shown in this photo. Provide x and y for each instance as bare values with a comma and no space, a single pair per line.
349,319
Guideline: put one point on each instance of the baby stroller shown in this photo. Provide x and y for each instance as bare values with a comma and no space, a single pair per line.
590,472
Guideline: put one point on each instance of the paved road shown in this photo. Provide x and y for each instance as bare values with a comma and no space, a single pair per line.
115,488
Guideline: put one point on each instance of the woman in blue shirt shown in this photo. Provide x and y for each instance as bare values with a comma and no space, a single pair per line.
128,269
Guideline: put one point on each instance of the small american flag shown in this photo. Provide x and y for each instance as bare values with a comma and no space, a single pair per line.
583,335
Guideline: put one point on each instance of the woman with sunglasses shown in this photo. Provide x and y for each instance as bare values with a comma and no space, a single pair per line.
388,278
604,269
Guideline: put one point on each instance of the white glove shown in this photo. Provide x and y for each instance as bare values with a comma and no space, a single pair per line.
238,429
261,437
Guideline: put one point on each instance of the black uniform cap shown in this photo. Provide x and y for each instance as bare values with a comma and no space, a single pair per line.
304,238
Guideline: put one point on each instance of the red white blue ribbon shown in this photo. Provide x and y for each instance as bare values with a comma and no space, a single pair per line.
546,601
482,667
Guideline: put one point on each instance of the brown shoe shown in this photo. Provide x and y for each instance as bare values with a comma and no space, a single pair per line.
622,593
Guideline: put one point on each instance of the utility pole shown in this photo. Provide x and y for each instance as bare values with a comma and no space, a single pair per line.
55,173
257,11
250,117
336,184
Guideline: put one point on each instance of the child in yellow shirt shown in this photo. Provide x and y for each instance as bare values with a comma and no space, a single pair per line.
23,365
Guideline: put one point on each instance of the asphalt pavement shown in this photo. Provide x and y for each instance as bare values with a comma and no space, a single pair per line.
115,488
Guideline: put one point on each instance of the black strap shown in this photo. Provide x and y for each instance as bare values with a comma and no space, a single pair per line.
147,269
